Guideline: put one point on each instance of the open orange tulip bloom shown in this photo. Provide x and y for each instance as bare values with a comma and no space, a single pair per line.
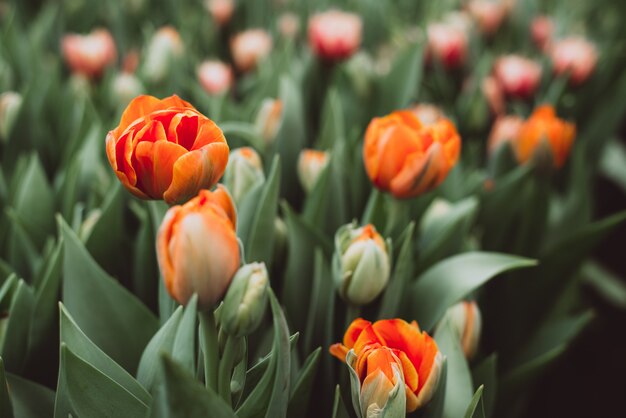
166,149
197,247
406,157
541,129
417,354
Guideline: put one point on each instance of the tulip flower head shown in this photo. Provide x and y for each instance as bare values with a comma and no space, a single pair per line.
405,157
197,248
311,165
466,322
488,14
289,25
215,77
245,300
361,264
166,149
335,35
542,135
221,10
89,54
428,113
517,76
505,130
574,56
447,43
249,48
541,29
373,351
268,120
164,49
243,172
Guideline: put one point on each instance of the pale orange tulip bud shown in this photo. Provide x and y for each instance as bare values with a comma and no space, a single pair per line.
249,48
89,54
215,77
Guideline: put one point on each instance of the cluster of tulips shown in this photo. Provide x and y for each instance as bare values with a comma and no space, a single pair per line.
210,172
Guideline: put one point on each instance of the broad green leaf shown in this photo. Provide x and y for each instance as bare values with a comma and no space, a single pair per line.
75,340
277,406
6,408
320,319
30,399
400,278
332,123
15,346
92,393
613,163
102,308
184,349
181,396
303,386
145,270
400,86
608,285
472,410
486,374
450,280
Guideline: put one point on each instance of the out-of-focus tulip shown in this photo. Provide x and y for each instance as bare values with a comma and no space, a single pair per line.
466,321
243,172
493,94
505,129
197,247
447,44
165,47
166,149
245,300
428,113
126,87
311,164
406,157
221,10
215,77
488,14
544,137
89,54
10,104
268,120
417,353
335,35
289,25
361,263
576,56
541,29
248,48
130,62
518,76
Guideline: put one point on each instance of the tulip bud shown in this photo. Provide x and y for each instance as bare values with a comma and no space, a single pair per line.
289,25
245,300
221,10
574,56
518,76
335,35
447,44
243,172
89,54
505,130
268,120
488,14
164,48
126,87
10,104
215,77
493,94
466,322
197,248
249,48
541,29
311,164
361,263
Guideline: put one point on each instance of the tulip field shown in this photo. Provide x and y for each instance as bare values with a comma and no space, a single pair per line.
290,208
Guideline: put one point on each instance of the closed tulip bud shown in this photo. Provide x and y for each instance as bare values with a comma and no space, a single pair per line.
215,77
166,149
574,56
335,35
545,139
361,263
505,130
517,76
89,54
373,352
447,44
541,29
493,95
268,120
221,10
289,25
249,48
406,157
466,322
243,172
10,104
164,49
311,164
488,14
197,248
245,300
125,87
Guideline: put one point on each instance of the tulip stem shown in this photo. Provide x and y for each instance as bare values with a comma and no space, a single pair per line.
225,371
352,313
209,345
397,214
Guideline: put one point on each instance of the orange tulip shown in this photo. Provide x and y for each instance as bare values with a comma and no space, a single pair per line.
197,247
416,352
406,157
166,149
544,129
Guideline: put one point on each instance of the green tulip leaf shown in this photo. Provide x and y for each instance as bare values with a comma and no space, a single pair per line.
15,346
339,408
277,406
302,388
184,349
29,399
6,408
401,276
400,86
472,409
486,374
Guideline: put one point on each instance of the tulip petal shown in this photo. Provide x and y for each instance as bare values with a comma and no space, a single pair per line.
394,145
208,132
222,199
155,164
354,330
163,239
339,350
137,108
